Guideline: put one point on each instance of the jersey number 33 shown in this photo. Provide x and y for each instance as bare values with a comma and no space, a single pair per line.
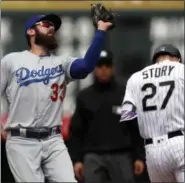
58,92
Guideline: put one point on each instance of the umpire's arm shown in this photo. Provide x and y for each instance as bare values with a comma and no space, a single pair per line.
76,139
137,140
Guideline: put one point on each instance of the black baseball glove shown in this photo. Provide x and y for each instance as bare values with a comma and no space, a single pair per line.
99,12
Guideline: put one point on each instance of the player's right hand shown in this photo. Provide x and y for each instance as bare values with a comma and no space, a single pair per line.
79,171
3,120
3,135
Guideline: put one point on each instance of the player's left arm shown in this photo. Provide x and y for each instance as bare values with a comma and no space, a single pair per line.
128,109
79,68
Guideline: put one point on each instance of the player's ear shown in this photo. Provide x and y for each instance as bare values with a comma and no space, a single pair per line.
31,32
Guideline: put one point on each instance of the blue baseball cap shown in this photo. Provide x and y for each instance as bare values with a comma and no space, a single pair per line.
55,19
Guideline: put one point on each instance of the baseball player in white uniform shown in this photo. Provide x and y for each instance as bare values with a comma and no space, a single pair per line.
155,95
34,82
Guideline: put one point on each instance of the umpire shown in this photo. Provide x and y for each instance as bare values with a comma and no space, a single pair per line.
101,148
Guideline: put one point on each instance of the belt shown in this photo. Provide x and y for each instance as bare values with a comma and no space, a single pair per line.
169,135
35,133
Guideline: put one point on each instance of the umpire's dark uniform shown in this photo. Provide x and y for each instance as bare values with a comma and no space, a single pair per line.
98,139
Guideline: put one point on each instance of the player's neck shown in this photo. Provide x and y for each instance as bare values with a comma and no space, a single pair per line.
167,60
161,61
38,50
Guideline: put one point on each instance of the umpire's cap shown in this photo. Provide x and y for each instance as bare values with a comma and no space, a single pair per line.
166,49
54,19
106,58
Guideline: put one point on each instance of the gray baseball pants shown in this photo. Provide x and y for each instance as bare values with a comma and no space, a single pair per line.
33,160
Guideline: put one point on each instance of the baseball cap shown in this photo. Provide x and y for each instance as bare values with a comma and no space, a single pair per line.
106,58
55,19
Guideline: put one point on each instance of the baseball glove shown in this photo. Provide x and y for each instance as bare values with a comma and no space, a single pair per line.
99,12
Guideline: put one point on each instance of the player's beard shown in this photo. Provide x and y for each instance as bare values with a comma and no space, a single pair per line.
45,40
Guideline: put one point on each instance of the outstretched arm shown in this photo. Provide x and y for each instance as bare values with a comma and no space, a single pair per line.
80,68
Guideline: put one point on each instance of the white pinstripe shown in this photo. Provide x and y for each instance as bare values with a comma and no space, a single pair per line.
158,122
165,160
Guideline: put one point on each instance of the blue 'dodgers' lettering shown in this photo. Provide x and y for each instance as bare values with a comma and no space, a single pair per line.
25,76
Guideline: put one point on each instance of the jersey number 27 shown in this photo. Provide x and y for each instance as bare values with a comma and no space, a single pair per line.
170,84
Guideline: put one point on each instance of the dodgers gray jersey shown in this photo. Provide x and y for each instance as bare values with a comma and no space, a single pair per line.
157,93
35,88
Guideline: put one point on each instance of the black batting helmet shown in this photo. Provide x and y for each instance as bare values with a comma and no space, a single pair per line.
166,49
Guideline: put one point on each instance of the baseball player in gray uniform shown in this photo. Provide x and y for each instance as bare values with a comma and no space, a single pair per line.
34,82
155,95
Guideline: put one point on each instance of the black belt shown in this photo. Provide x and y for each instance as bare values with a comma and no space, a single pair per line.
170,135
35,133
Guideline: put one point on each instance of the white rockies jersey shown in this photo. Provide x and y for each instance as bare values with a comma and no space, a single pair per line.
35,88
157,93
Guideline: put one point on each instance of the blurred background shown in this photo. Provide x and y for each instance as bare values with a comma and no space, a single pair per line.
141,26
